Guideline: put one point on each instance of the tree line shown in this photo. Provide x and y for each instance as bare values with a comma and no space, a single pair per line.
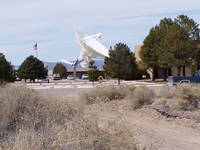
120,64
32,68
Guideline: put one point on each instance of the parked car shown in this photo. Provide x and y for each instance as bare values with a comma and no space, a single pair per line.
56,76
84,77
17,79
70,77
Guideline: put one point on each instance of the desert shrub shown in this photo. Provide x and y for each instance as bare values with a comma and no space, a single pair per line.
187,97
160,101
80,134
140,96
2,83
182,97
20,108
105,93
29,121
166,91
23,140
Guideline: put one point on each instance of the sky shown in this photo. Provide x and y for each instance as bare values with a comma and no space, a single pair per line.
51,23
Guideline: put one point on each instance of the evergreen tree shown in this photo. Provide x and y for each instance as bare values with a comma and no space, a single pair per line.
172,43
120,62
135,72
6,70
193,32
179,44
32,68
150,52
177,48
61,69
190,26
93,73
92,64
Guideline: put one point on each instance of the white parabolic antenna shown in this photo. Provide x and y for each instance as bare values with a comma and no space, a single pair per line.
90,48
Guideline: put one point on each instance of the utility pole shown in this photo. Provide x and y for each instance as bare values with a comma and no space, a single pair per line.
36,53
74,69
74,73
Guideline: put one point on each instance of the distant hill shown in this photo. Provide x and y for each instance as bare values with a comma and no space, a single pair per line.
99,62
50,65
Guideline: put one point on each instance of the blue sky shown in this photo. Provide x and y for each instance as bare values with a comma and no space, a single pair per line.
52,23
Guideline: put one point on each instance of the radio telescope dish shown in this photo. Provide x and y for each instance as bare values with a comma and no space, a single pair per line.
90,47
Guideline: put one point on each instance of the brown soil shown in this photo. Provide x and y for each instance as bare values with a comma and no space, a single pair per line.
154,131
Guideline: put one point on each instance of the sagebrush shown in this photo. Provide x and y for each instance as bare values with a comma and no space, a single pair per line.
182,97
105,93
140,96
29,121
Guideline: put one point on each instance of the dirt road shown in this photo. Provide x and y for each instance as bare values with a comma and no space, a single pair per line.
152,130
159,133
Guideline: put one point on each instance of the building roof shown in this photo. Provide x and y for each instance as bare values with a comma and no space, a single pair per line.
83,69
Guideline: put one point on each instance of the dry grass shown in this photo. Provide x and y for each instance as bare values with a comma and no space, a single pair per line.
29,121
137,96
167,92
182,97
160,101
187,97
105,93
2,83
140,96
